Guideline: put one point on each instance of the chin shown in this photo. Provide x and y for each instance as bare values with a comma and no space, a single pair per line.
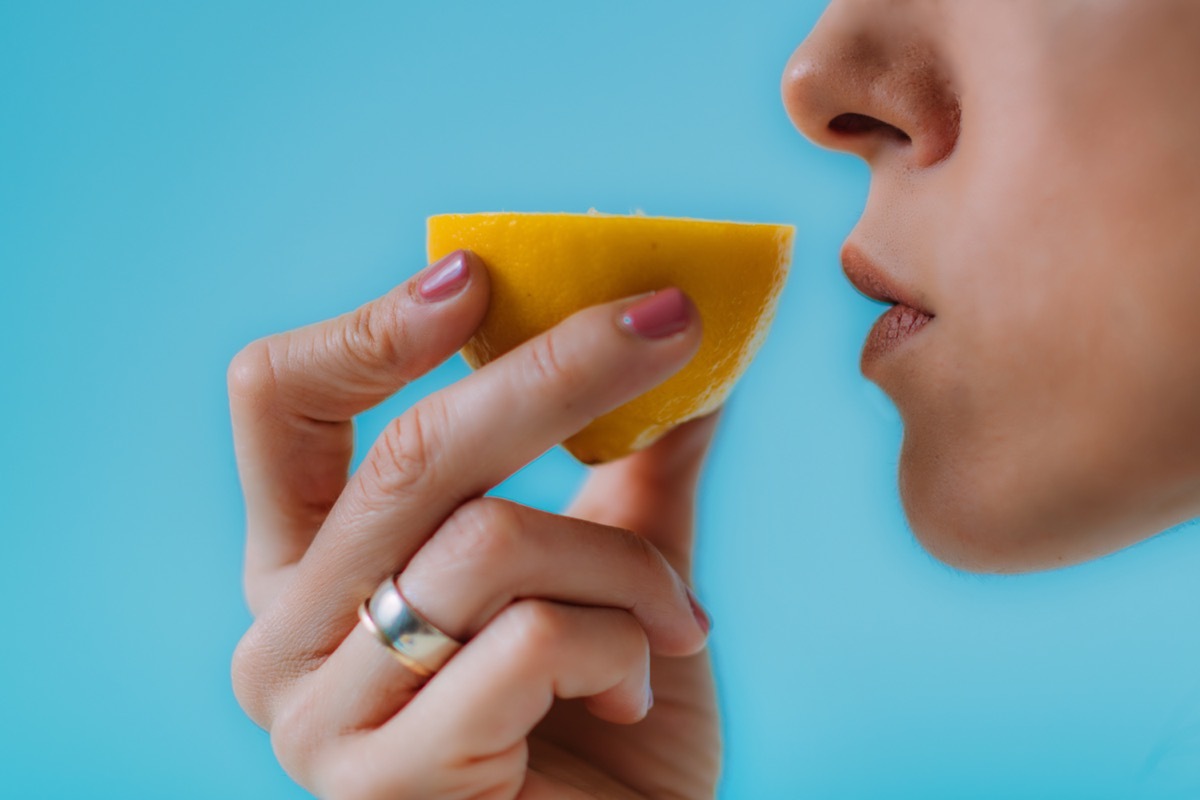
997,516
988,487
972,519
962,542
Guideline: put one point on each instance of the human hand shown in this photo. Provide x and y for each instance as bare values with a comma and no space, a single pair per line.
568,620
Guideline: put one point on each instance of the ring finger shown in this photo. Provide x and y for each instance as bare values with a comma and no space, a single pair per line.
467,728
488,555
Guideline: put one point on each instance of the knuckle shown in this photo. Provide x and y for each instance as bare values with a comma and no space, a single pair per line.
652,570
248,674
535,627
261,668
481,533
653,584
549,363
371,336
648,557
404,456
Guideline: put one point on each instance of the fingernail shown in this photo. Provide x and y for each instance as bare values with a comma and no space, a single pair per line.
702,617
658,316
444,278
649,695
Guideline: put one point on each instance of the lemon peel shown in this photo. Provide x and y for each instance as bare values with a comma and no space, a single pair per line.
545,267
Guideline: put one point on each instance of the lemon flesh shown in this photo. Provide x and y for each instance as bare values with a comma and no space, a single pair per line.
545,267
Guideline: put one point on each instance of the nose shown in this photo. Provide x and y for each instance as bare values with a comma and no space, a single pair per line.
868,82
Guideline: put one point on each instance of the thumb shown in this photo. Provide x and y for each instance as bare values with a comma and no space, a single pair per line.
653,491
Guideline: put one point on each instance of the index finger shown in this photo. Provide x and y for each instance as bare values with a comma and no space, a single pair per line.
458,443
292,396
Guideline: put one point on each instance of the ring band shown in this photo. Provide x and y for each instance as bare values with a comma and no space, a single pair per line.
413,640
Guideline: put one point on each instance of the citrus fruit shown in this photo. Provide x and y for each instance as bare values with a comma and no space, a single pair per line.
545,267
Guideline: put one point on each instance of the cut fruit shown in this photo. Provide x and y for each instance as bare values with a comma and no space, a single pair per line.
545,267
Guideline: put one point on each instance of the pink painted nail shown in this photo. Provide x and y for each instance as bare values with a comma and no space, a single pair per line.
702,617
658,316
444,278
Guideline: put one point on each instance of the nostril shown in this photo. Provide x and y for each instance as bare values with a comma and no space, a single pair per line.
862,125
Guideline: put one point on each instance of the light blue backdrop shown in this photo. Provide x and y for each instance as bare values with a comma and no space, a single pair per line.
179,178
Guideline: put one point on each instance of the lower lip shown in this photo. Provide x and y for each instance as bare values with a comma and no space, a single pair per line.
897,325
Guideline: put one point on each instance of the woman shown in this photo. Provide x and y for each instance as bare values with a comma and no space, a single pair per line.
1034,184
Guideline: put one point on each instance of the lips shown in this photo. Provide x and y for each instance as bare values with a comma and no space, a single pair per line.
891,330
898,324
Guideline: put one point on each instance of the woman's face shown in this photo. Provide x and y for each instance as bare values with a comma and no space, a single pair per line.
1035,190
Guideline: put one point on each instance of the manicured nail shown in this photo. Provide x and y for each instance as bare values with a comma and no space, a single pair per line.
658,316
444,278
702,617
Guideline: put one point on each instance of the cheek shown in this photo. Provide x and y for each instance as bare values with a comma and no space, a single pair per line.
1065,365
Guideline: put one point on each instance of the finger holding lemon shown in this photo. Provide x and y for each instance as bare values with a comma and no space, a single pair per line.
553,634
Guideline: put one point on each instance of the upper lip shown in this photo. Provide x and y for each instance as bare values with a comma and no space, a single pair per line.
869,279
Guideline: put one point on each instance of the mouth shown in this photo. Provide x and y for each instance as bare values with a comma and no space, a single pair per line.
905,319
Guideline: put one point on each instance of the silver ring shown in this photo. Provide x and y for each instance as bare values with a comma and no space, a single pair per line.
414,641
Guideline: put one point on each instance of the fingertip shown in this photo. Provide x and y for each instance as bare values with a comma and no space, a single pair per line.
443,279
700,614
618,706
684,635
454,290
476,265
663,314
691,625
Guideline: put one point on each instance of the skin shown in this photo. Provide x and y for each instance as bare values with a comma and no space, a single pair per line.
1034,185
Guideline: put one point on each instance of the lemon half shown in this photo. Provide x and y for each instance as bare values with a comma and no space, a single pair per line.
545,267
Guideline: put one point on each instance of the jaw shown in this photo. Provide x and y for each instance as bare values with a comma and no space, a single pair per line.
1004,515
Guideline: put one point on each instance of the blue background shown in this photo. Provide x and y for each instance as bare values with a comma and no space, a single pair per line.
179,178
